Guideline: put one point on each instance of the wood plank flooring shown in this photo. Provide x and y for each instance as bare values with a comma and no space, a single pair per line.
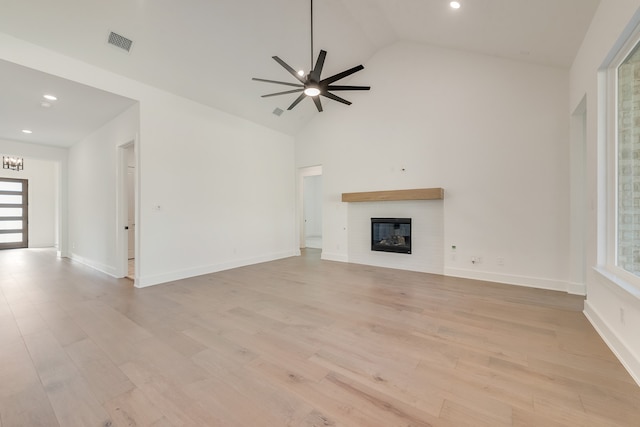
297,342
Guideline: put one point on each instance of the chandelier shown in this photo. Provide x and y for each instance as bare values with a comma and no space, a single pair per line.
13,163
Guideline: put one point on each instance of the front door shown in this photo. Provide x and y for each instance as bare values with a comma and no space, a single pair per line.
14,218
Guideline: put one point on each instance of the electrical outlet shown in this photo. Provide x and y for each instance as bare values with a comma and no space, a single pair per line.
500,261
476,260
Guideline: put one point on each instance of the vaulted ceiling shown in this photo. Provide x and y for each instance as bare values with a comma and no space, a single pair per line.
208,50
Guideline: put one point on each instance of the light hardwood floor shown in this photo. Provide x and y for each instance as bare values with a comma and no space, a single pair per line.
297,342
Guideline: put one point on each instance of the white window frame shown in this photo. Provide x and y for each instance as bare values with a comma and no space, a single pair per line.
608,135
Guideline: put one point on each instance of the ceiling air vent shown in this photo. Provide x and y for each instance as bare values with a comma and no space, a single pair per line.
278,111
120,41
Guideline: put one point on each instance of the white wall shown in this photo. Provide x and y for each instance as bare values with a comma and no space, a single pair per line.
92,192
226,186
492,132
231,203
611,26
45,168
43,190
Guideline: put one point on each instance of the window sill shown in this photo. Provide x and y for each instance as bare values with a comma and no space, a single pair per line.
617,283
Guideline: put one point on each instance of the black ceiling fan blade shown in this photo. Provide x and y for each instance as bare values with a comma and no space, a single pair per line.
289,69
297,101
317,70
335,98
341,75
316,100
337,87
282,93
277,82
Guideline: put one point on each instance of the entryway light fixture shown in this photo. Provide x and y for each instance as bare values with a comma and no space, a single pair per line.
455,5
13,163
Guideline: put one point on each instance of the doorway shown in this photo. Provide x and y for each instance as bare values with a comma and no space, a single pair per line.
131,212
14,213
127,201
310,206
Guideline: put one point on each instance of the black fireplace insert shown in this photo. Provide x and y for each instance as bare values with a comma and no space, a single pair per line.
391,235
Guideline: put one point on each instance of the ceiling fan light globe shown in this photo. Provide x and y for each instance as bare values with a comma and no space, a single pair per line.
312,91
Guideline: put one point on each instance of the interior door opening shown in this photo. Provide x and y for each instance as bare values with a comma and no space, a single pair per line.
310,206
126,200
131,212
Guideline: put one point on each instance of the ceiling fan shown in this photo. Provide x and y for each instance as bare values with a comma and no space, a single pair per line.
312,85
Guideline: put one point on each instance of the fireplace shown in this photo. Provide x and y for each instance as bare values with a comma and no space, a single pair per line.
391,235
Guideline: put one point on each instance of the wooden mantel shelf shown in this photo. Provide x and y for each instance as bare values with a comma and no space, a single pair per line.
394,195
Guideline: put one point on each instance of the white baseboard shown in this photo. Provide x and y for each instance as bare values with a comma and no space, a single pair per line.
144,281
334,257
106,269
531,282
576,288
630,361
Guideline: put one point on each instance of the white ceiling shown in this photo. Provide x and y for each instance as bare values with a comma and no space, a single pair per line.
208,50
78,112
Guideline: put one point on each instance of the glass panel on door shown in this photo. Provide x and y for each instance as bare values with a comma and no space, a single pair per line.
10,185
10,225
5,212
10,199
11,238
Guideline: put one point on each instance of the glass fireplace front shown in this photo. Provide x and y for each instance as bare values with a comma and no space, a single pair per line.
391,235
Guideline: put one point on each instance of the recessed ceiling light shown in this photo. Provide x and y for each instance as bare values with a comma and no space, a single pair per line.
50,97
26,131
455,5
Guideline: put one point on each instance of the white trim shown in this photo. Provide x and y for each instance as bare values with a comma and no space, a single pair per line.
510,279
575,288
142,282
334,257
103,268
616,283
630,361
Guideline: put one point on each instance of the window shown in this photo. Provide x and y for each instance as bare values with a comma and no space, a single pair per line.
628,131
628,163
618,156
